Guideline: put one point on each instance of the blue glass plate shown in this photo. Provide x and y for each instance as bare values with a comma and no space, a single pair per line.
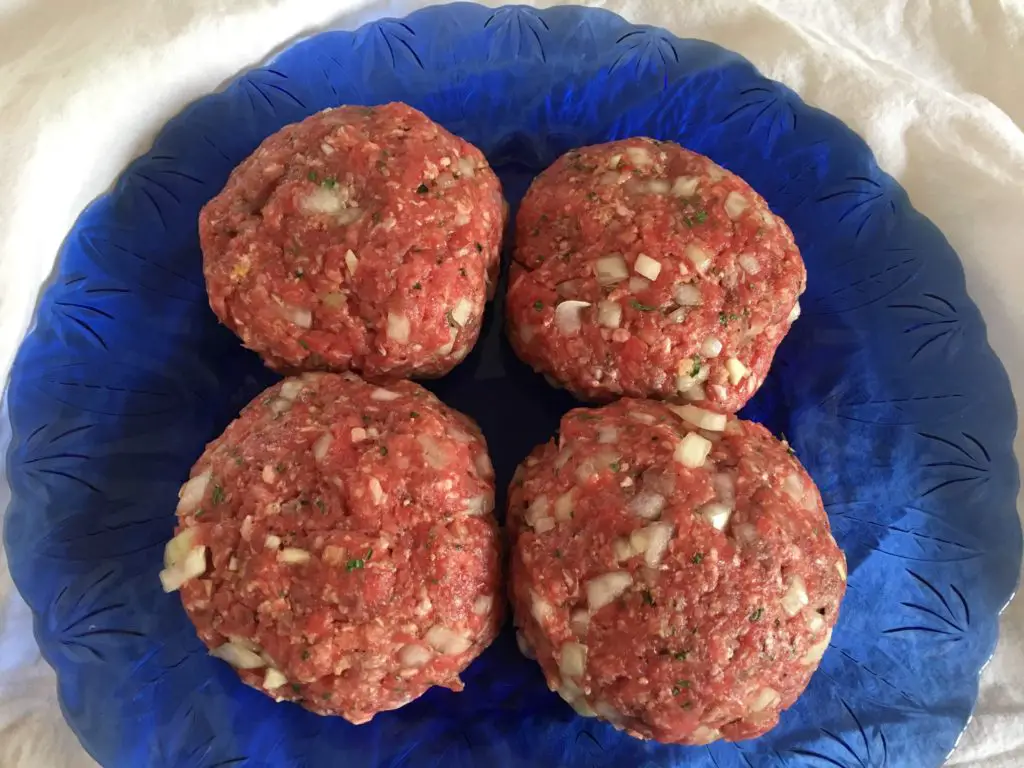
886,387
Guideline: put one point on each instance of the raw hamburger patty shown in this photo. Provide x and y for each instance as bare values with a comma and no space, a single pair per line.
336,545
680,583
646,270
363,238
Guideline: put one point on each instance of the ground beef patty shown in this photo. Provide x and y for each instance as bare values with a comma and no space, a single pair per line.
336,545
672,570
363,238
646,270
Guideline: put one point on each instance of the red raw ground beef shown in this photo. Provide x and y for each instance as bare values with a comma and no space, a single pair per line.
336,545
363,238
672,570
646,270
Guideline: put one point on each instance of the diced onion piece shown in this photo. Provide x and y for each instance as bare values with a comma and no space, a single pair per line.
463,311
613,161
572,659
293,556
717,514
563,506
291,388
622,549
653,541
794,314
540,609
793,486
351,261
658,187
376,490
611,269
745,533
749,263
698,256
322,200
524,645
737,370
841,567
647,267
579,622
322,445
643,418
609,314
647,505
273,680
191,493
414,655
537,510
272,541
280,405
300,316
446,641
238,656
568,316
685,186
192,565
434,453
694,393
692,450
478,505
177,549
563,458
735,205
334,300
816,651
637,285
687,295
700,417
704,735
544,525
482,605
607,712
711,347
607,434
484,468
639,157
795,598
766,697
605,588
814,620
467,167
384,395
725,487
398,328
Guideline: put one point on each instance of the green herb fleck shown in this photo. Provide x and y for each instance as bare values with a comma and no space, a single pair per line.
695,369
422,189
414,414
757,614
479,247
199,513
591,196
586,417
375,217
724,319
417,286
321,506
305,655
296,687
382,166
239,460
641,307
698,558
303,344
354,564
648,597
680,686
383,450
680,655
218,494
312,176
369,553
615,466
329,183
558,554
300,273
538,305
326,696
279,467
701,217
687,705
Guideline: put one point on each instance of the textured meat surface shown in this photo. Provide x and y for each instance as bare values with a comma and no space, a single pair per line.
681,597
646,270
363,238
350,544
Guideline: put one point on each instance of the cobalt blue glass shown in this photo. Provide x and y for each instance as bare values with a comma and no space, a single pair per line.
886,387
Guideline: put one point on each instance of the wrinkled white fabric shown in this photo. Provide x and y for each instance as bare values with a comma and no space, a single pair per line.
935,86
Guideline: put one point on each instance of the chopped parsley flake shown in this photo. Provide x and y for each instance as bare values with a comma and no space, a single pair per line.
375,217
756,615
326,696
724,319
199,513
648,597
296,687
538,305
312,176
615,466
305,655
479,247
414,414
641,307
329,183
303,344
321,506
558,554
422,189
218,494
698,558
695,369
680,655
354,564
680,686
383,450
299,273
417,286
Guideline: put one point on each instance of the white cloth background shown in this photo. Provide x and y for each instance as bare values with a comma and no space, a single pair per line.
935,86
